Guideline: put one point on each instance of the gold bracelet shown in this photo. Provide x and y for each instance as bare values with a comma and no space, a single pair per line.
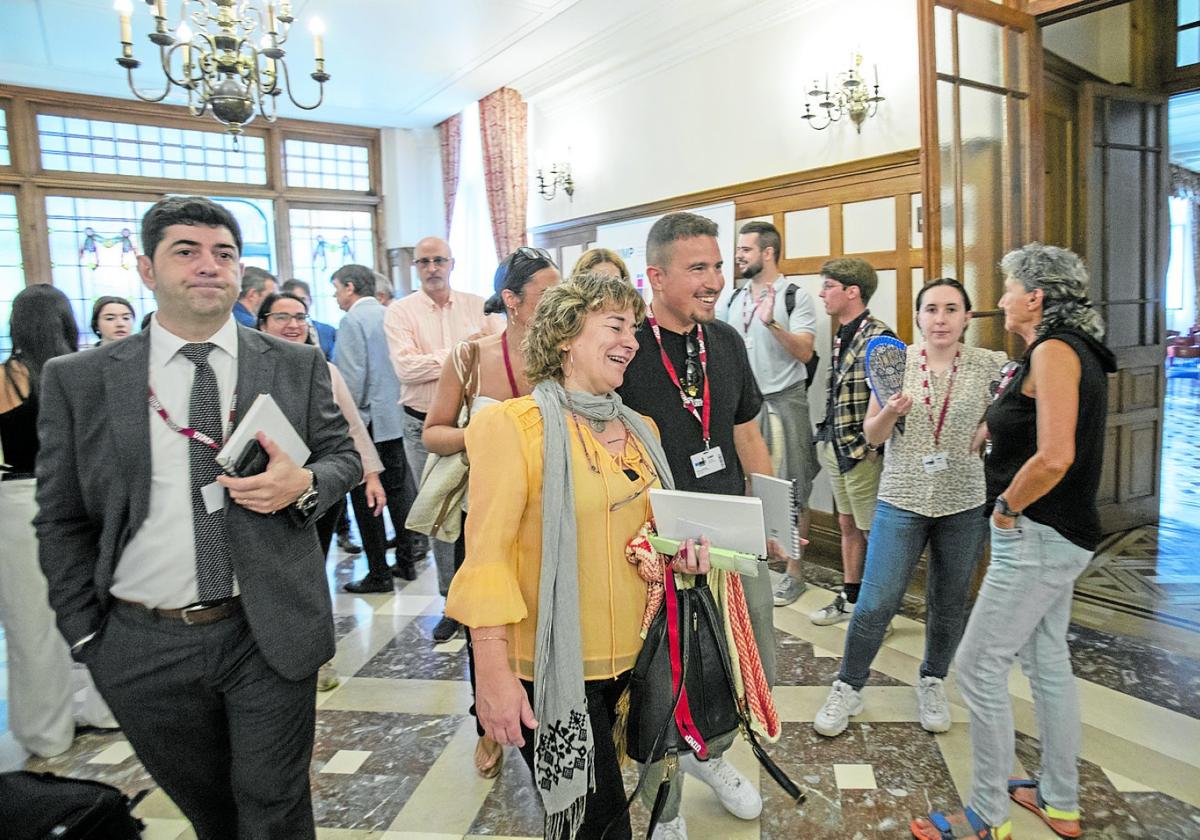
475,638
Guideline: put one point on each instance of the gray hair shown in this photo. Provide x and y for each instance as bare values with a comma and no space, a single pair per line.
358,277
670,229
383,285
1061,276
254,279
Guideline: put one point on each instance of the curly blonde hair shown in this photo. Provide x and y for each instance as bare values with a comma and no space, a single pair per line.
560,317
599,256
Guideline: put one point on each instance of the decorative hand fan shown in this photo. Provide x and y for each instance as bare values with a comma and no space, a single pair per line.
885,366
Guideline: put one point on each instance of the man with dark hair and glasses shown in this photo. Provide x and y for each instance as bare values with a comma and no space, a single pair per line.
692,376
421,330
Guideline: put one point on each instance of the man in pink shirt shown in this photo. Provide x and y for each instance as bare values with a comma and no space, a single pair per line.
421,330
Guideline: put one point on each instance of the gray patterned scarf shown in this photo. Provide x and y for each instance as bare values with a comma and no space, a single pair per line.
564,767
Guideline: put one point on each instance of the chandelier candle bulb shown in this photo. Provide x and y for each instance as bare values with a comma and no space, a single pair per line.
317,28
125,10
271,18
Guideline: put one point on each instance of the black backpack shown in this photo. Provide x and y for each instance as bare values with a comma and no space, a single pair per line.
36,806
789,303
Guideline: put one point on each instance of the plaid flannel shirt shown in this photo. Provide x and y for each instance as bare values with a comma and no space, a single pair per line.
852,395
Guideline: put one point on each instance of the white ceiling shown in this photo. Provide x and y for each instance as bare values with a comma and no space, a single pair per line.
394,63
1183,118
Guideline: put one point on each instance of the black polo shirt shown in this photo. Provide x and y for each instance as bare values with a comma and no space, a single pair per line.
734,394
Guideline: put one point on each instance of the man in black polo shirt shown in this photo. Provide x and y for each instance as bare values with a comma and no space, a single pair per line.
692,376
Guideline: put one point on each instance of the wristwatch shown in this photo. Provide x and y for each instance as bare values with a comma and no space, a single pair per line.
306,503
773,325
1003,509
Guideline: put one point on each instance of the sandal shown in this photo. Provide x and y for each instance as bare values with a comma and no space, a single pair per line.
489,757
1025,793
937,826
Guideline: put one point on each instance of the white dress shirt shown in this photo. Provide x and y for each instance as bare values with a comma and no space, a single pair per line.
158,566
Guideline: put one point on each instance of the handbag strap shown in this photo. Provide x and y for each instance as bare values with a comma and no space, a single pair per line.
466,365
683,712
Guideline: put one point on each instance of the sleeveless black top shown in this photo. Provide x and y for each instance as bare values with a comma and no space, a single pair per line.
18,433
1070,507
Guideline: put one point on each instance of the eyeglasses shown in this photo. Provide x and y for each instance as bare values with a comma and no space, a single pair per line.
436,262
281,318
693,374
646,484
828,285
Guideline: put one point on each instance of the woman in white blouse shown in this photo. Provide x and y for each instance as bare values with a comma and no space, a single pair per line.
931,493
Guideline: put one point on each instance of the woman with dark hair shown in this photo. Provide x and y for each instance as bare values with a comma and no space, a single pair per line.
112,319
41,711
931,493
285,315
498,375
1042,473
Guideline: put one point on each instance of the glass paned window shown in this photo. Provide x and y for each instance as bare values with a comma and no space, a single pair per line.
102,147
12,272
1189,11
95,242
1187,47
327,166
5,160
322,242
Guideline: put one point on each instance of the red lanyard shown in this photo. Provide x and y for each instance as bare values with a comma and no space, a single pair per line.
1008,375
683,711
748,319
187,431
512,380
928,398
705,414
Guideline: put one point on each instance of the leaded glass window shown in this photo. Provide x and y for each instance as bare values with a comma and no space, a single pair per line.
327,166
12,271
322,242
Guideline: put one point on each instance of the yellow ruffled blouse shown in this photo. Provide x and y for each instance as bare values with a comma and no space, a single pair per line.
498,582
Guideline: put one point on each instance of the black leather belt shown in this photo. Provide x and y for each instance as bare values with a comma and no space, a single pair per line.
194,614
412,412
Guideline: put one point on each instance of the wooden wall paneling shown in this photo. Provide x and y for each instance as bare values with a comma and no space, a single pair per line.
836,235
931,180
904,291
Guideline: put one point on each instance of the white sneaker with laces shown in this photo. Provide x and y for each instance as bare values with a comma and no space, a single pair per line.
733,789
935,709
675,829
839,610
842,703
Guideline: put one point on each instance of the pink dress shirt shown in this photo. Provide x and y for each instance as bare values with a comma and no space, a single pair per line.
420,334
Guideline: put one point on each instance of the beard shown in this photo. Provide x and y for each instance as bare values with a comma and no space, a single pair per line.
752,270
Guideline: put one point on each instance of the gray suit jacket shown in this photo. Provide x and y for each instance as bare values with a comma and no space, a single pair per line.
93,490
365,364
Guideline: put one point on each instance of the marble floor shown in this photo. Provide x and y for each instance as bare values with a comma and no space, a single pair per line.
394,744
393,756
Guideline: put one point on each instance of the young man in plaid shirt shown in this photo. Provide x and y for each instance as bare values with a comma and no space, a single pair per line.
854,466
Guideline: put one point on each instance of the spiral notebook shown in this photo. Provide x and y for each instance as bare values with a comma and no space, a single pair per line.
780,510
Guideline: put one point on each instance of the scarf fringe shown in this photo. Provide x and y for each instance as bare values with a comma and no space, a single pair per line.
620,730
571,818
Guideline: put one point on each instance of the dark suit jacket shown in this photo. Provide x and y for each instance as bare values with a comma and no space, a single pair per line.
93,493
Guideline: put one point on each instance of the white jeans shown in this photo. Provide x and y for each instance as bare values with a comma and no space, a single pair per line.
44,693
1022,612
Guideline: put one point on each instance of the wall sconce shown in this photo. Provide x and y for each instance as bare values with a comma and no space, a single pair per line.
853,98
558,177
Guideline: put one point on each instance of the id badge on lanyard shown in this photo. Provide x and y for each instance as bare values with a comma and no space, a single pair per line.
710,459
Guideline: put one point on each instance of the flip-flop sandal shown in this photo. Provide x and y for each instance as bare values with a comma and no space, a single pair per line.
489,757
937,826
1063,823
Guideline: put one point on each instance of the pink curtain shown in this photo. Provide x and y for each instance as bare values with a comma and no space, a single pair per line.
503,118
450,134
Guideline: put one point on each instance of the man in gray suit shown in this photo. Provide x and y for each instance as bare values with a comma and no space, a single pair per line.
197,601
364,363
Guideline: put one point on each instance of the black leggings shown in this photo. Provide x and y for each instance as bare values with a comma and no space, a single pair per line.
608,799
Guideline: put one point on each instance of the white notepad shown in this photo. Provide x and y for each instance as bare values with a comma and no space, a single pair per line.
734,523
264,416
779,510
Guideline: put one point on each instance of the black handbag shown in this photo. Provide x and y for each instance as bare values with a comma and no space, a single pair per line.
651,731
38,806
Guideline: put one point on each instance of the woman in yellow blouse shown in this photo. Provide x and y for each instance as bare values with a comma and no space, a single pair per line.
558,487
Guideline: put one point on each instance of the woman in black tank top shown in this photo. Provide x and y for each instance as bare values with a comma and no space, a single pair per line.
1046,426
41,712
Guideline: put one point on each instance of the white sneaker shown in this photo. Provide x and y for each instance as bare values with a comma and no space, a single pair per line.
675,829
734,790
931,700
842,703
838,611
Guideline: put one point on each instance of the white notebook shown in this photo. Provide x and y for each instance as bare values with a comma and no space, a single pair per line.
264,416
779,510
734,523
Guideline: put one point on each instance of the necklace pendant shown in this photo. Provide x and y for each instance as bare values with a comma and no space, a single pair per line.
597,425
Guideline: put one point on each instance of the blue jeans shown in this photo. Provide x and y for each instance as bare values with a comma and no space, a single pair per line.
1022,612
897,539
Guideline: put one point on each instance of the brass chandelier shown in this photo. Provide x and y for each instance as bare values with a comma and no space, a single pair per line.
852,98
238,70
